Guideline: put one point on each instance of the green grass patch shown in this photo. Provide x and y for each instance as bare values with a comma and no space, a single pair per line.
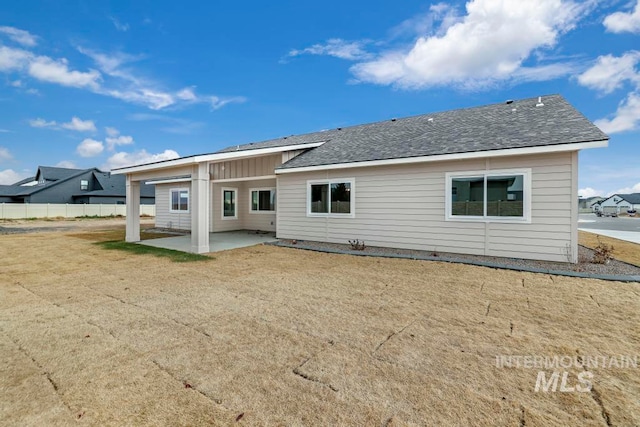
175,256
112,216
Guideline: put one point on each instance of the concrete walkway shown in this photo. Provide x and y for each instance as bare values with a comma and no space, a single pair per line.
222,241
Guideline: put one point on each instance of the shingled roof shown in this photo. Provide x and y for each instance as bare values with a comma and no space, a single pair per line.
50,173
633,198
517,124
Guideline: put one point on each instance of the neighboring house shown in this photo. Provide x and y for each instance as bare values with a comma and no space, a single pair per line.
62,185
498,180
588,202
619,203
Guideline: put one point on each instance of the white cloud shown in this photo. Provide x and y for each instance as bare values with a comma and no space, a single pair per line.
5,154
490,43
187,94
66,164
112,131
42,123
351,50
90,148
587,192
627,190
425,23
621,22
217,103
80,125
119,140
122,159
13,59
9,176
610,72
626,118
115,79
135,89
16,83
120,26
114,138
57,71
150,98
20,36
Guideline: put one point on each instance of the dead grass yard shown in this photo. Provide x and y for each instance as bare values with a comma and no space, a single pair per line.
622,250
274,336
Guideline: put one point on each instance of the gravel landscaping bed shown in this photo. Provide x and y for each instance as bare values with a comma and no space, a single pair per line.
584,267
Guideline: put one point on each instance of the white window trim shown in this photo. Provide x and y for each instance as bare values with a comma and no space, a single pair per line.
251,190
526,218
171,190
222,190
352,201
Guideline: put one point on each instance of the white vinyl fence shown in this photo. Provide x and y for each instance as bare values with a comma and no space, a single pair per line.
51,210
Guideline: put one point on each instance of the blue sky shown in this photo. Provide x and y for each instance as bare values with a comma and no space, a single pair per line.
111,83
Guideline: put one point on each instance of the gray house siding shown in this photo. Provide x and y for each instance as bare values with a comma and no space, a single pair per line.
404,206
164,217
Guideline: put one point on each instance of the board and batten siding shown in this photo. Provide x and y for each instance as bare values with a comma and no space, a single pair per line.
164,217
403,206
243,168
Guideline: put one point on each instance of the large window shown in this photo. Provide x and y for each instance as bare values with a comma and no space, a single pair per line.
179,200
229,202
331,198
262,200
489,195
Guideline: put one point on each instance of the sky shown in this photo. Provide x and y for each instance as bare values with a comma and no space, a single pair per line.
114,83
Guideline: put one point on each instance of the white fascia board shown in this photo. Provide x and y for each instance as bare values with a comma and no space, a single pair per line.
167,181
459,156
232,155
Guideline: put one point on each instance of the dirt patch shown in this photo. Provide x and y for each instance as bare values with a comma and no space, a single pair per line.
623,250
584,265
275,336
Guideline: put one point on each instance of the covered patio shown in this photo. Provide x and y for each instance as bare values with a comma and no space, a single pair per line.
221,241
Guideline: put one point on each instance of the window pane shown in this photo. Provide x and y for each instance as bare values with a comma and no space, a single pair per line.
467,196
229,203
264,203
184,200
179,200
254,200
505,195
320,198
341,197
175,197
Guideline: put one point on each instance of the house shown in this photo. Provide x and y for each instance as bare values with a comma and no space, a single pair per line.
498,180
620,203
585,204
64,185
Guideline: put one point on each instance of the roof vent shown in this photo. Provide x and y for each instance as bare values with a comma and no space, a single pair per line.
339,128
238,148
284,137
509,101
394,119
430,119
513,110
539,104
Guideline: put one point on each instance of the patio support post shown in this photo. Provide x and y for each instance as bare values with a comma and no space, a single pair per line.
200,208
133,210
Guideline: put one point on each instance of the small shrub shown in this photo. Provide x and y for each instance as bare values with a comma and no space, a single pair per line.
357,245
602,253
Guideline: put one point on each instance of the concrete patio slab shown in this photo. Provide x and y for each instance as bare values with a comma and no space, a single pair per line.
221,241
